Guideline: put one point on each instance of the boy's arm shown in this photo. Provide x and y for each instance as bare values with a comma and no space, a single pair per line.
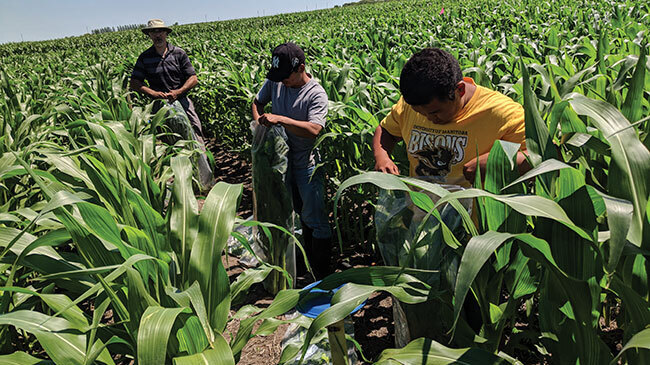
382,145
260,100
300,128
303,128
257,109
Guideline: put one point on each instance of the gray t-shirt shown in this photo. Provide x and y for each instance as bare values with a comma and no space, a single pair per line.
307,103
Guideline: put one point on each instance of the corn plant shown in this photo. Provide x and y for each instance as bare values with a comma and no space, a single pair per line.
129,247
562,244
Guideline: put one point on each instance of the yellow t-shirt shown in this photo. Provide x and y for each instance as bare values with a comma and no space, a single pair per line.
441,150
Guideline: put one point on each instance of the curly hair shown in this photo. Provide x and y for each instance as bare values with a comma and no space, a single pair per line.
429,73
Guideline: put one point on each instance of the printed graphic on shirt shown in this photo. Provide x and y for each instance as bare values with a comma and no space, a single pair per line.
436,151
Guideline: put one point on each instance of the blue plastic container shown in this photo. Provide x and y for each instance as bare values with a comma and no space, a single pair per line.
316,305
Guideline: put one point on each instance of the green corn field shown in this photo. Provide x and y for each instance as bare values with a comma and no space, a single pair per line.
98,213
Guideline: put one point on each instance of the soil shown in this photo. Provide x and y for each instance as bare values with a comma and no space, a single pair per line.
373,325
233,168
260,349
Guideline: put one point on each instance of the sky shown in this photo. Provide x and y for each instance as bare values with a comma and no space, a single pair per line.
35,20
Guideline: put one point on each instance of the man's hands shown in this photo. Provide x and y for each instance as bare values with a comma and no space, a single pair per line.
158,94
268,119
172,95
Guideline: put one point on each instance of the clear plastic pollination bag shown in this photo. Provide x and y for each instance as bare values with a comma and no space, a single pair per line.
404,241
272,202
179,123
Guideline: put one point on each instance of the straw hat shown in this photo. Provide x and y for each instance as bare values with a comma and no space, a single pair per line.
155,24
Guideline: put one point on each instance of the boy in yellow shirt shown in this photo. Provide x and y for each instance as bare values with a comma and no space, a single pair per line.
443,118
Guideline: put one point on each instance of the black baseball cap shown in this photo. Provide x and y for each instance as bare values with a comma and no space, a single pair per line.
285,59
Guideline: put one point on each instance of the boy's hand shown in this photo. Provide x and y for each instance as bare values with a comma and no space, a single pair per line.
469,169
386,165
268,119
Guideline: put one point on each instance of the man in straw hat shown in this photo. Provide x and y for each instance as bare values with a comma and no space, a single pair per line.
170,75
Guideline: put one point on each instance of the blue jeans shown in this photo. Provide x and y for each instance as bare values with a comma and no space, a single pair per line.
309,199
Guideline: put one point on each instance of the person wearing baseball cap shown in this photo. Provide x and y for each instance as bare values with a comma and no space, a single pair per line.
299,104
286,59
170,76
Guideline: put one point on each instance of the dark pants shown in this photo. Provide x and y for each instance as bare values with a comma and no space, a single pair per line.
308,190
308,202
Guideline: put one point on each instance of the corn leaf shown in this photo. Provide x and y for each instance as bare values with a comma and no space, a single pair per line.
501,169
619,217
544,167
640,341
22,358
194,297
589,348
184,211
153,334
220,354
629,171
525,204
393,280
215,224
633,106
538,141
426,351
56,335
